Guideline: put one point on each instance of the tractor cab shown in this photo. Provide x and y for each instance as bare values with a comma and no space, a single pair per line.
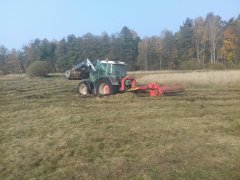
111,69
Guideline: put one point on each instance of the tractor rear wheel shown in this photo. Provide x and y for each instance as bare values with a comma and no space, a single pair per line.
83,89
104,88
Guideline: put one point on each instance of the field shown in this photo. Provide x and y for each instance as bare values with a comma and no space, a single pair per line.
47,131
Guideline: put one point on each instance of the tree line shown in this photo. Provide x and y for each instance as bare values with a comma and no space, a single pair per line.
199,43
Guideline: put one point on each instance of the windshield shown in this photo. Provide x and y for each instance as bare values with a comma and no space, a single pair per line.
119,70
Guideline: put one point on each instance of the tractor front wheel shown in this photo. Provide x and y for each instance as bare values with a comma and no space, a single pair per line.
104,88
83,89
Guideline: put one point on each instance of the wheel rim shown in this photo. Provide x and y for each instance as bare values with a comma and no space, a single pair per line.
83,89
104,89
67,74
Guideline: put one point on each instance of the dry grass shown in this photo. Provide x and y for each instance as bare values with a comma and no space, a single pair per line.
190,77
48,132
12,76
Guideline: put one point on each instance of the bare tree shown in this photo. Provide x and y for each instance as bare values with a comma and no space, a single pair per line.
145,53
3,55
212,28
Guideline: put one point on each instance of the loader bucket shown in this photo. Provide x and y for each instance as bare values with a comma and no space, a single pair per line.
76,75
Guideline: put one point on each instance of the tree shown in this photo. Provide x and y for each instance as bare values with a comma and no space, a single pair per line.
90,46
213,28
236,28
74,50
185,40
12,64
142,59
198,35
115,48
229,46
149,57
3,56
46,52
104,46
125,46
38,69
22,61
61,56
169,51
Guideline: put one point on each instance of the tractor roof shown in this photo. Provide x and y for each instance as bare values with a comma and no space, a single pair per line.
113,62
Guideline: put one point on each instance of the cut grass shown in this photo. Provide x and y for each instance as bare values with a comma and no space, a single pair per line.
48,132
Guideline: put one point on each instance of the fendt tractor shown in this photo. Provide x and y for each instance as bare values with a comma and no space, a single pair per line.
105,77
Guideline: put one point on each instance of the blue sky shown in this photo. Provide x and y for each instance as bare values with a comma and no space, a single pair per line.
25,20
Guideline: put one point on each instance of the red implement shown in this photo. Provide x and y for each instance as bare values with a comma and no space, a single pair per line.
154,89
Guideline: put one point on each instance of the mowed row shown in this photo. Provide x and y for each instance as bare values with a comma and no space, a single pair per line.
47,131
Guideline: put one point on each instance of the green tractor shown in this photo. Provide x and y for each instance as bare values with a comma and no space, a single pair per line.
102,77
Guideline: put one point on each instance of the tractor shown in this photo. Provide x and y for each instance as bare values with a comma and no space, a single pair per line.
105,77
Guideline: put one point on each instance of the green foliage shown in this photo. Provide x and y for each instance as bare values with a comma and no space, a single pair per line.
185,40
125,47
38,69
216,66
190,65
206,39
3,55
150,54
233,66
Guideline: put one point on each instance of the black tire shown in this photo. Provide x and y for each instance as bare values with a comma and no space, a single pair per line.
104,88
116,89
83,89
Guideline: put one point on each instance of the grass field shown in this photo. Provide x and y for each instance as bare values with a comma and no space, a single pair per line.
47,131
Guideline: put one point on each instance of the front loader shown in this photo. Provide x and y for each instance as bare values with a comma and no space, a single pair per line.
105,77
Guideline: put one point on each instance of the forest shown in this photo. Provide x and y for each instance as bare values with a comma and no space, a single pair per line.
199,43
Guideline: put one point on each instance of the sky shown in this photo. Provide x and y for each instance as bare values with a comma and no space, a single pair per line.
22,21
